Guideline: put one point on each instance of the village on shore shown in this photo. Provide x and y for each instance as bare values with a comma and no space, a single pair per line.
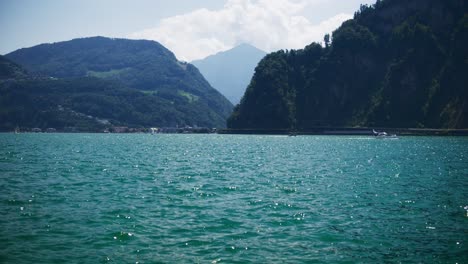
124,129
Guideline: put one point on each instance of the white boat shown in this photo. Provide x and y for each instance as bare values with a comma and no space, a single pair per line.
384,135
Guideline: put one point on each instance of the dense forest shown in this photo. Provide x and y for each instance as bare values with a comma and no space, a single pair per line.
398,63
99,82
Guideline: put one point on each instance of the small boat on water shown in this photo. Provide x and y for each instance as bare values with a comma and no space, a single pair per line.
384,135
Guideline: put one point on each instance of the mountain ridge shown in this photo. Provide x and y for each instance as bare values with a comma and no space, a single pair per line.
241,47
230,71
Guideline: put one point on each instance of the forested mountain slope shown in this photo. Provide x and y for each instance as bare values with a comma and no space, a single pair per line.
398,63
175,93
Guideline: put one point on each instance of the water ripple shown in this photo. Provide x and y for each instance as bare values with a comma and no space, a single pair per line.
86,198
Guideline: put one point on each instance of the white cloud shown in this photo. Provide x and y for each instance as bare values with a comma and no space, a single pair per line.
267,24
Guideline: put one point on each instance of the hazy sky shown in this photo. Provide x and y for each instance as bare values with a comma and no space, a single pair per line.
192,29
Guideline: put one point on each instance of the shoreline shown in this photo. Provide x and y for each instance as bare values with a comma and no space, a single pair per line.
348,131
318,131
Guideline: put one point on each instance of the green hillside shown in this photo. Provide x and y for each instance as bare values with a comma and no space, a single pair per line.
398,63
91,104
151,84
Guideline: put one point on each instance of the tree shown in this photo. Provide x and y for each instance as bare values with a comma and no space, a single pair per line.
326,38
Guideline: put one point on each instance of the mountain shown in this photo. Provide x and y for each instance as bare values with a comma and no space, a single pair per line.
398,63
230,71
87,104
162,90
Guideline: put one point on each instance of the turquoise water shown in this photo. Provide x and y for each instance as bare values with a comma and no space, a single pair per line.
110,198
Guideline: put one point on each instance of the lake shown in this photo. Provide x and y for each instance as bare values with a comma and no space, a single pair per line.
138,198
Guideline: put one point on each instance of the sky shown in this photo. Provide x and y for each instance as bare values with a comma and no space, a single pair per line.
192,29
